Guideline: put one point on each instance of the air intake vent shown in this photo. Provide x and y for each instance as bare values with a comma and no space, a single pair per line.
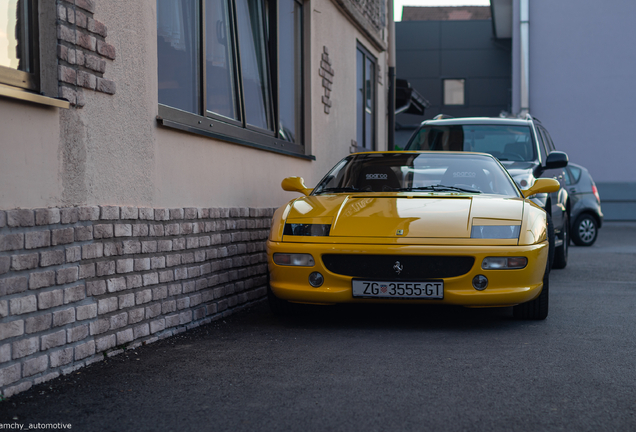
414,267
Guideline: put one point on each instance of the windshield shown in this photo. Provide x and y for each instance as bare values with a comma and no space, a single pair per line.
403,172
506,143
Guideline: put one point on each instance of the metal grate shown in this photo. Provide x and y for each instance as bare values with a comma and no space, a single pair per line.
414,267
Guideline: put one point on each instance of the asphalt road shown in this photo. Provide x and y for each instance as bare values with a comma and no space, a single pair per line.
379,368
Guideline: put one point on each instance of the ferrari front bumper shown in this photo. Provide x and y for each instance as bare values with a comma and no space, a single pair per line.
505,287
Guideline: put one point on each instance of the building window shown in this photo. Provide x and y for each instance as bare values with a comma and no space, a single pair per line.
18,44
366,98
290,69
234,69
454,91
28,52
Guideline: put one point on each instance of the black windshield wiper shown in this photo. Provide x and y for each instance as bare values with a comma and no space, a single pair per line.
338,189
460,189
431,188
438,188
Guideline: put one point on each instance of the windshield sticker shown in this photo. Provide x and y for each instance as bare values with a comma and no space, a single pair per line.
465,174
377,177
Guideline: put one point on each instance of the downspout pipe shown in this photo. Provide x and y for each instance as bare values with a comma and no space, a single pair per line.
391,48
524,36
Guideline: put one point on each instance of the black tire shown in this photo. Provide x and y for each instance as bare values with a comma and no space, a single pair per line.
584,230
279,307
551,239
536,309
561,252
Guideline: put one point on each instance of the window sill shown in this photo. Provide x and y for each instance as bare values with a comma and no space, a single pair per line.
20,94
175,119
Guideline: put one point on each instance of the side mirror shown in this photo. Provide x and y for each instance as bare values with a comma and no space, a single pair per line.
556,159
542,185
295,184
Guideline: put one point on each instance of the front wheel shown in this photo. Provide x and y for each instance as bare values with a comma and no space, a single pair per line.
561,252
536,309
551,240
279,307
585,230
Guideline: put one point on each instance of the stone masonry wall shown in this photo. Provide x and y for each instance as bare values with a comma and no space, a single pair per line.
370,15
82,51
78,284
373,10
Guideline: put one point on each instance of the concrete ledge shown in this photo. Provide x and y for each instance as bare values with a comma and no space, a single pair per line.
618,200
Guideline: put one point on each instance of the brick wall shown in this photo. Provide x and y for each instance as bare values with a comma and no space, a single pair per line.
78,284
373,10
82,51
370,16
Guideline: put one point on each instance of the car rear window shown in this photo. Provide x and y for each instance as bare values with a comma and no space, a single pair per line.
506,143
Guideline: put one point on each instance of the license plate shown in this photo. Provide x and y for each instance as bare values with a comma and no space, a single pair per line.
412,290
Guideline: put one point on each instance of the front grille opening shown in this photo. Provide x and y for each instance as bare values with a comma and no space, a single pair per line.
413,266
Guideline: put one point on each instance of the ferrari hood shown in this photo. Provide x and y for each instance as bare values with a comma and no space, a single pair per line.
401,216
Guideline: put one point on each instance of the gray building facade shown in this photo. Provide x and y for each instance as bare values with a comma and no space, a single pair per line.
581,71
430,52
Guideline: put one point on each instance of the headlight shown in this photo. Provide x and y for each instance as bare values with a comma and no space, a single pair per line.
524,181
495,231
306,229
290,259
504,263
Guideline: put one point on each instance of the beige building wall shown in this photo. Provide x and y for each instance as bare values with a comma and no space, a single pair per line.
113,152
29,155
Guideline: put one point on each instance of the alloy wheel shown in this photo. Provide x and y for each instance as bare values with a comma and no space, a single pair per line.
587,230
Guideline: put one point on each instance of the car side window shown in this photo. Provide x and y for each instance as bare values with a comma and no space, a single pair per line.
548,140
541,145
576,174
568,177
417,140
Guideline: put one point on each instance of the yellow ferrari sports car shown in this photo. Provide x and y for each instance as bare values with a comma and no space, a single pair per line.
412,227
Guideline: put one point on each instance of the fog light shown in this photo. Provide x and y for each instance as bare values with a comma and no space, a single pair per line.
480,282
503,263
316,279
289,259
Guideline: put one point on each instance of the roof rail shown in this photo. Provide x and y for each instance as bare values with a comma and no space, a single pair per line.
531,117
442,117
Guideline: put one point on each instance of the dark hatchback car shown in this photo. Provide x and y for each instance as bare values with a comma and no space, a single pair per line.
585,205
526,150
